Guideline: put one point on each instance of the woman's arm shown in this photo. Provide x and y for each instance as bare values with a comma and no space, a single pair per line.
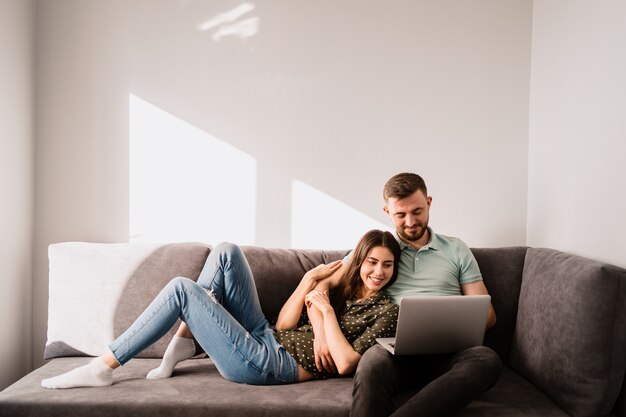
343,354
290,313
323,358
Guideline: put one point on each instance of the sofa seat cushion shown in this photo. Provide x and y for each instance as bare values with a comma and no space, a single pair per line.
195,389
512,396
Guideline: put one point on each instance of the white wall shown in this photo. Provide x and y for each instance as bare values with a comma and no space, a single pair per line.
328,99
16,187
577,138
81,134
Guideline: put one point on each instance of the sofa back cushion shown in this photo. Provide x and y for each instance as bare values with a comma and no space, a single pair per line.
570,338
97,290
502,269
277,272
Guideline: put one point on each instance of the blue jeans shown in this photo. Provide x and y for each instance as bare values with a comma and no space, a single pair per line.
223,312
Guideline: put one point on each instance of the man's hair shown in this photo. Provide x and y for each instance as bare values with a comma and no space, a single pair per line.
403,185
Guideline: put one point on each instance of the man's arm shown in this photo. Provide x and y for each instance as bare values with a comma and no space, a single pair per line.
478,288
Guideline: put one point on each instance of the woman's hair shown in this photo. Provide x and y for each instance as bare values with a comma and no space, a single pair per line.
351,283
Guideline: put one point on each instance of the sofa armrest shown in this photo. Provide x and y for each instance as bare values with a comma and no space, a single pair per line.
570,336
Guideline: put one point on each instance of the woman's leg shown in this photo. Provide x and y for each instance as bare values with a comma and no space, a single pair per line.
151,325
236,335
225,278
227,257
226,275
223,272
97,373
244,350
180,348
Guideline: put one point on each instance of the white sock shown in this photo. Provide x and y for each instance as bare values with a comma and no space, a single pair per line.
95,374
178,350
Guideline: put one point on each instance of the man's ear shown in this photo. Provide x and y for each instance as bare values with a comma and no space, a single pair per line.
386,209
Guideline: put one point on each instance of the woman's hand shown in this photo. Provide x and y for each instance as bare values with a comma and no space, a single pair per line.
322,271
319,300
290,313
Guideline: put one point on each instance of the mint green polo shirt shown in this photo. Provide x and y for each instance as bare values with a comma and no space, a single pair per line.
438,268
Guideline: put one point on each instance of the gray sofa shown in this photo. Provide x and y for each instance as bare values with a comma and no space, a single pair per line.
561,334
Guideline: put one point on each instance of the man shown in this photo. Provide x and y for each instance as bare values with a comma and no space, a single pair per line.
429,264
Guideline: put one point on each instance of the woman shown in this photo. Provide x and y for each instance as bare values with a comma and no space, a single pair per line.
222,311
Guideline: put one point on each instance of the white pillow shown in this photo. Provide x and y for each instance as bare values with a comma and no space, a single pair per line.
98,290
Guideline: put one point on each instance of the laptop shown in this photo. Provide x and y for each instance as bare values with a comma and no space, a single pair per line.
438,324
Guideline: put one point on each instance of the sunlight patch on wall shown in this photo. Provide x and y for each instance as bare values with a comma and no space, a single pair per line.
186,185
227,24
319,221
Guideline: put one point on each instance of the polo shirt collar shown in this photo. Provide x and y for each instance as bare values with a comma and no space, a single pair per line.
433,242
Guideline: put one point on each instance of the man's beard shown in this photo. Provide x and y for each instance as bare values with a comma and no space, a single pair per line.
420,230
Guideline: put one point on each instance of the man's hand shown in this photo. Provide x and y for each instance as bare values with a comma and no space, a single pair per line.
478,288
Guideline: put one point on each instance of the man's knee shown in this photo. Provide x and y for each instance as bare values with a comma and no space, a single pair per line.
376,363
482,362
375,381
483,355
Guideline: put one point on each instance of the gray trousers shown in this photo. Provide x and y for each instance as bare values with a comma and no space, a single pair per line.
437,385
